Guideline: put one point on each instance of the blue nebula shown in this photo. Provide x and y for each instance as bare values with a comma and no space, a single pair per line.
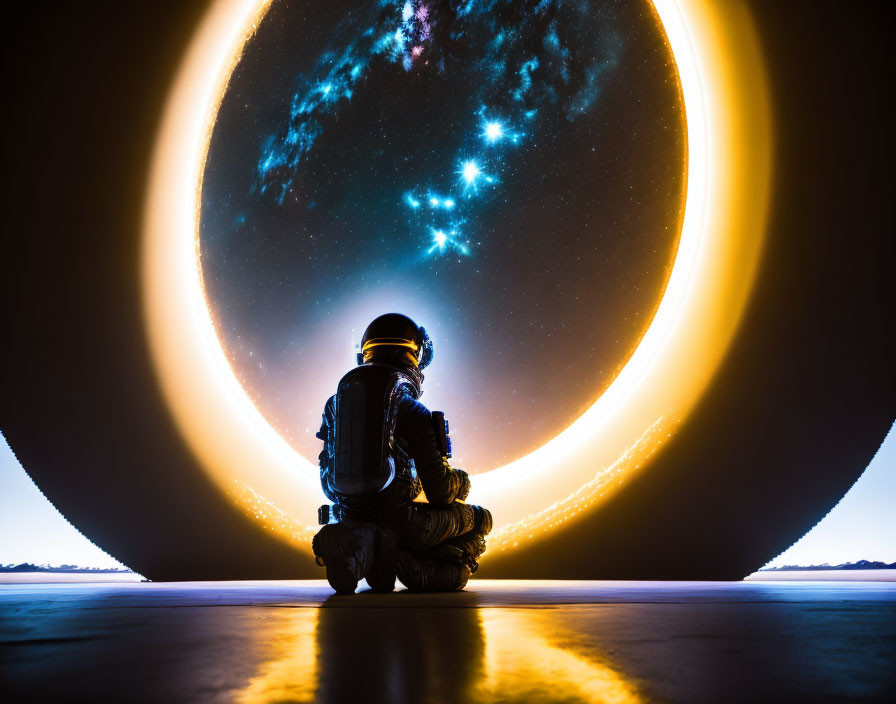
443,242
525,68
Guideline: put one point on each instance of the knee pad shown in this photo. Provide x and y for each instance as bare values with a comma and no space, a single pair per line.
428,575
482,520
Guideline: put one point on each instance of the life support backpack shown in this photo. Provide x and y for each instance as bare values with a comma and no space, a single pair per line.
366,410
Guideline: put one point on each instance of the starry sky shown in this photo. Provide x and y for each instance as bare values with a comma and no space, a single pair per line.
509,174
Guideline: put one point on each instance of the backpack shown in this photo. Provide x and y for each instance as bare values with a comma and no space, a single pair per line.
366,406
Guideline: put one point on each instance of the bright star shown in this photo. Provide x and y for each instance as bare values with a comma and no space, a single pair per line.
411,201
434,202
448,203
440,238
493,131
470,172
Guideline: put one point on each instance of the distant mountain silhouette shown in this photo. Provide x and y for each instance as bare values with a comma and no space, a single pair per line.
860,565
28,567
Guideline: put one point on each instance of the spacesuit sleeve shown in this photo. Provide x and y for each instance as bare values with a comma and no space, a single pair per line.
326,456
441,482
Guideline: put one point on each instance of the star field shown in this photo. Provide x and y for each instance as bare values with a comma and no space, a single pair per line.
509,173
523,63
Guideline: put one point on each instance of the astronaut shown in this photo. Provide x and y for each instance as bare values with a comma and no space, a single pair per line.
382,448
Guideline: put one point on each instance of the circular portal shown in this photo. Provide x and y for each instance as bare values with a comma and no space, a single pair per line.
616,436
134,448
512,179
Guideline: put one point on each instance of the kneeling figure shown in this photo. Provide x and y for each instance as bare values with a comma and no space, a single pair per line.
382,448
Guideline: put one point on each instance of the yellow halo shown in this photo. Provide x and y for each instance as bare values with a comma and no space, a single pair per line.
728,176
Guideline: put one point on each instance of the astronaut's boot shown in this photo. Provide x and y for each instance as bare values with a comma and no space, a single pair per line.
345,552
381,576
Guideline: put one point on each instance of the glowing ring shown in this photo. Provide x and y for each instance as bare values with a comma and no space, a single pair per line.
728,177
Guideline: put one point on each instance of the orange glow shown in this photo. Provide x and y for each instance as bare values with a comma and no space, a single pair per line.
728,176
290,672
529,654
522,645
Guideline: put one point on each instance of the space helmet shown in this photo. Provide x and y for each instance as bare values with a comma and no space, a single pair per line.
394,337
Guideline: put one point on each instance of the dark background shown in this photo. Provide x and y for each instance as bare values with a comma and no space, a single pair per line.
796,412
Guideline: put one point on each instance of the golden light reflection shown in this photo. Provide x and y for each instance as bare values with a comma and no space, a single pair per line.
524,663
728,176
290,673
447,654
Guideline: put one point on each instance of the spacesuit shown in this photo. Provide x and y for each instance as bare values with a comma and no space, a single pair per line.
382,450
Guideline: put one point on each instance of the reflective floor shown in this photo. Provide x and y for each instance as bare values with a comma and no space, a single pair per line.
504,641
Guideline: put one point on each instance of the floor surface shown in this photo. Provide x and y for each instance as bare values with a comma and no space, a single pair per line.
504,641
